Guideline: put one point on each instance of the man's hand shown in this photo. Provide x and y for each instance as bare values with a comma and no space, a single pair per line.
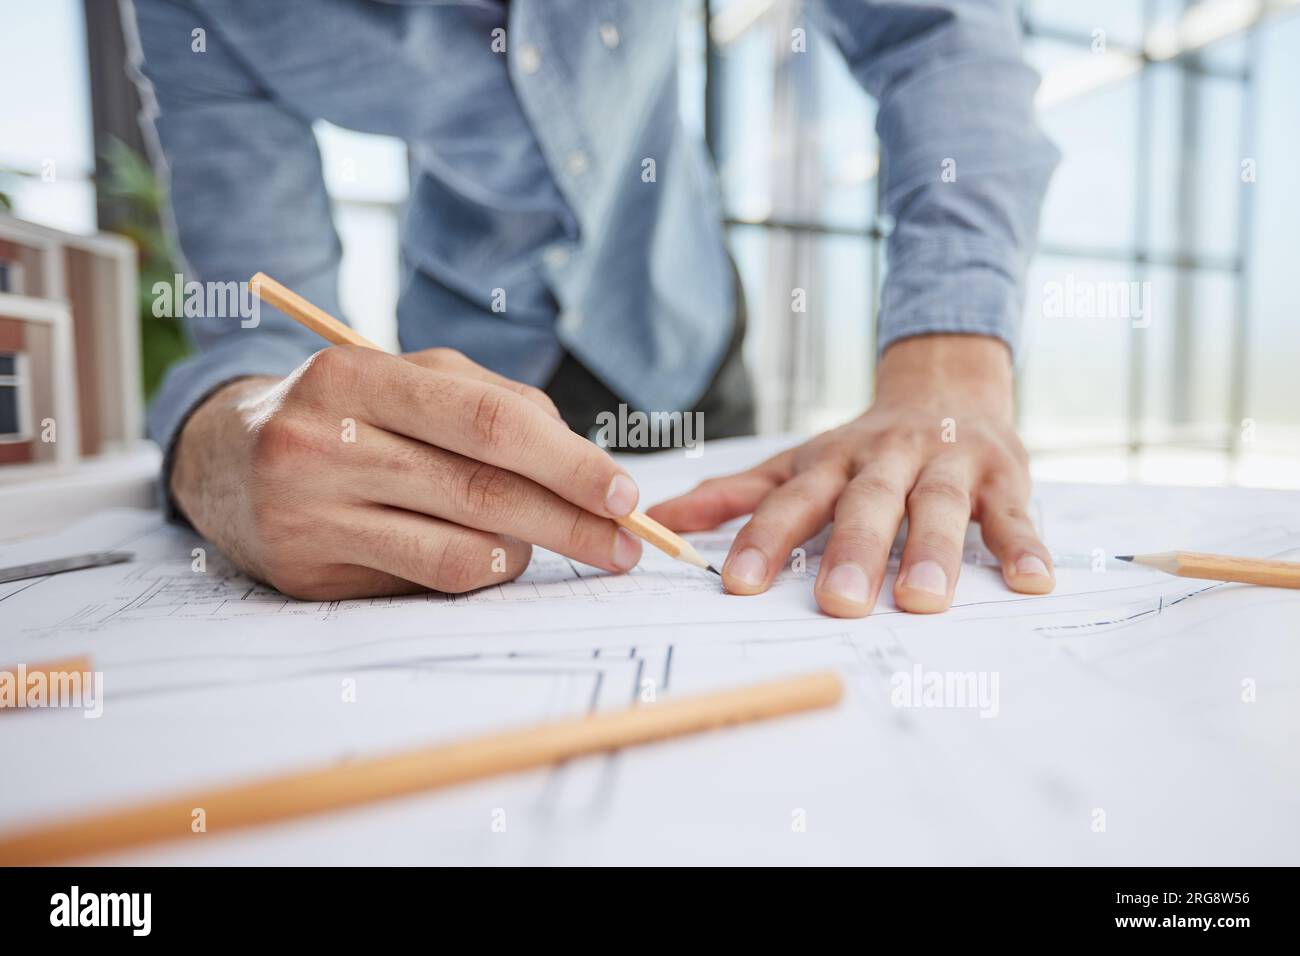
363,473
938,445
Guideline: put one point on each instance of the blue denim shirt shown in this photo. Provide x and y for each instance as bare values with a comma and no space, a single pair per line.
528,172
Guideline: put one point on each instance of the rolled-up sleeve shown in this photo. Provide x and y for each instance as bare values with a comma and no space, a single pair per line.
246,195
964,165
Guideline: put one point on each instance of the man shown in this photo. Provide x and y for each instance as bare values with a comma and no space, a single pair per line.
528,123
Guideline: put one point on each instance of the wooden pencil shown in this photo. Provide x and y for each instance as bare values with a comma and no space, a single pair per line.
357,782
1218,567
670,543
337,333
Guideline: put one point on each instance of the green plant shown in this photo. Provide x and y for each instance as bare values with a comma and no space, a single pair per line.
132,185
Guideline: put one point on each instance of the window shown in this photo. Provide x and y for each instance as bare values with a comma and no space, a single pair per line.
14,398
47,157
1177,175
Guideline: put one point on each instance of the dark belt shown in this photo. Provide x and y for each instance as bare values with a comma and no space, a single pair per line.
727,406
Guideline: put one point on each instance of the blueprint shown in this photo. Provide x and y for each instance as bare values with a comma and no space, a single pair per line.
1129,717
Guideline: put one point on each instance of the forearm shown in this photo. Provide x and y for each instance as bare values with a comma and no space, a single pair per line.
247,195
964,166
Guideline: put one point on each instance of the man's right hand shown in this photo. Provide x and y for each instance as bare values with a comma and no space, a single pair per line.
364,473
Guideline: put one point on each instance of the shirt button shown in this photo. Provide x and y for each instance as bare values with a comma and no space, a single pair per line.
609,35
557,257
576,163
530,59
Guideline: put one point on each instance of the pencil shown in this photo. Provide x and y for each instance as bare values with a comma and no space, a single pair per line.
1217,567
337,333
353,783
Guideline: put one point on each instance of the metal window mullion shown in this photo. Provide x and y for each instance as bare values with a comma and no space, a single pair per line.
1238,384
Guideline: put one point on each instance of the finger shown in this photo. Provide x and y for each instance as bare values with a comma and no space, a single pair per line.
713,502
1010,535
479,420
450,360
938,511
718,500
867,517
407,474
433,553
335,582
787,517
342,582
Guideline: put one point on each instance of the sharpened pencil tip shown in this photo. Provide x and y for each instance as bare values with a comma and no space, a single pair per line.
715,570
1123,557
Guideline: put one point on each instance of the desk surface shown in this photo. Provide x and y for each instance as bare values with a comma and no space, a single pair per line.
1128,718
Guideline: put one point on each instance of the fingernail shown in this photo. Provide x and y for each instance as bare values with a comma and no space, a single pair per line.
622,495
627,550
1032,565
749,568
848,582
926,576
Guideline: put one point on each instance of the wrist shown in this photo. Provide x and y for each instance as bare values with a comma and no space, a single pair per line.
209,432
929,369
